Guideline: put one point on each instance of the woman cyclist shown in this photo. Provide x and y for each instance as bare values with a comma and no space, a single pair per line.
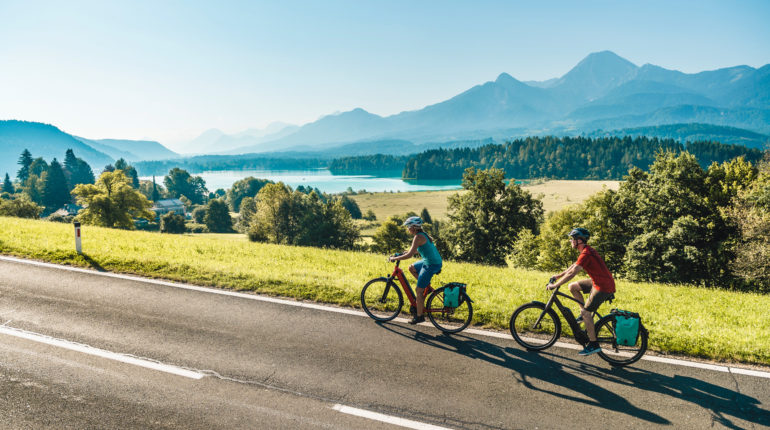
422,270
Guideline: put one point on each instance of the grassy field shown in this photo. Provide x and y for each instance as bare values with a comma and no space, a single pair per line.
554,194
715,324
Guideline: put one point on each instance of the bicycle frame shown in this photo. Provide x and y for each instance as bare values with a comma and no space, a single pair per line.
399,274
580,335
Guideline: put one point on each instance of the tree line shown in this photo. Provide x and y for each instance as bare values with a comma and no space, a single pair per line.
368,164
565,157
204,163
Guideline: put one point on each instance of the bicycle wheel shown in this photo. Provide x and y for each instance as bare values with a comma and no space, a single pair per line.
381,299
535,336
619,355
448,320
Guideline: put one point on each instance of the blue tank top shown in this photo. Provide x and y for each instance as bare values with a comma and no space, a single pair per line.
429,252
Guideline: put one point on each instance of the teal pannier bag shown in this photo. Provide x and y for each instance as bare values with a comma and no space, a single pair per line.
452,294
626,327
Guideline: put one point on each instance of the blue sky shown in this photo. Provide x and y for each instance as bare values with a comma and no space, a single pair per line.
169,70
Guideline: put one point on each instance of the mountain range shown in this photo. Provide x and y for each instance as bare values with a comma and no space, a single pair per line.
47,141
603,91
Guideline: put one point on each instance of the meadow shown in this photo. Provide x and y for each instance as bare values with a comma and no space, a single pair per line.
708,323
555,195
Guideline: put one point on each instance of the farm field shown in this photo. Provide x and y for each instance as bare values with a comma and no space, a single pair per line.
554,194
681,319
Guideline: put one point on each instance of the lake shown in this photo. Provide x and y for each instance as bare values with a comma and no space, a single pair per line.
323,179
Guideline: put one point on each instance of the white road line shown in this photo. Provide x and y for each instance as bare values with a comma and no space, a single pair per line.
61,343
673,361
403,422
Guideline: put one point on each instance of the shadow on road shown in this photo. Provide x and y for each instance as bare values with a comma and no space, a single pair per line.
529,367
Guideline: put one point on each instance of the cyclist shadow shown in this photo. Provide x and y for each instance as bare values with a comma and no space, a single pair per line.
531,367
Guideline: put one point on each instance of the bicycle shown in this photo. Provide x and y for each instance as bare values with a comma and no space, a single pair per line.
536,326
382,300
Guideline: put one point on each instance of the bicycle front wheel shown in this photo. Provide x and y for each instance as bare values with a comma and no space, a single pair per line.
619,355
535,328
446,319
381,299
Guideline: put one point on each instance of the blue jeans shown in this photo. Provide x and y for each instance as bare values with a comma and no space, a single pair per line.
425,273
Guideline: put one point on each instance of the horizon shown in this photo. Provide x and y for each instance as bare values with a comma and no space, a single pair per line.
143,71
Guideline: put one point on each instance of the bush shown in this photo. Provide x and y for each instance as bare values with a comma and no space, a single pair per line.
57,217
198,214
20,207
172,223
192,227
351,206
370,216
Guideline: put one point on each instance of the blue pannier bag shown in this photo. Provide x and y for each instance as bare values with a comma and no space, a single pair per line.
626,327
452,293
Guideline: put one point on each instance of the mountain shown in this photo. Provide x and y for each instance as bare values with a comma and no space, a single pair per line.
130,150
603,91
215,141
42,140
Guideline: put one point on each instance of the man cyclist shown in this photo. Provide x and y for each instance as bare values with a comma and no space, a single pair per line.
422,270
601,286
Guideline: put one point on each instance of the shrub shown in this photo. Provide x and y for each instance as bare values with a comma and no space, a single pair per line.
172,223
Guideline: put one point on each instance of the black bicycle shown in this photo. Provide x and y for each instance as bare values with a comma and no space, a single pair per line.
536,326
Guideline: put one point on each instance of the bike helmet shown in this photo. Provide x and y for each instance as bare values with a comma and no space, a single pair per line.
413,221
580,233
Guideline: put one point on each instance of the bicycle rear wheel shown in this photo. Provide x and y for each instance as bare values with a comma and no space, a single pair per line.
446,319
619,355
381,299
530,333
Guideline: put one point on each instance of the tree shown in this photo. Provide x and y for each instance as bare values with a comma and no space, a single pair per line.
425,215
25,160
248,210
21,207
247,187
76,170
266,226
351,207
8,185
179,183
56,193
488,218
172,222
217,217
129,170
112,202
391,236
199,213
155,192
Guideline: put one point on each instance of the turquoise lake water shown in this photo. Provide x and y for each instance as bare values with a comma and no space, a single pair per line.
323,180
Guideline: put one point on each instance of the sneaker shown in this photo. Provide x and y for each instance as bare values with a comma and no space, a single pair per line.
579,319
591,348
417,319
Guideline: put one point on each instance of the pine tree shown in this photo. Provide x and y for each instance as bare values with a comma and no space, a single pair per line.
7,185
155,193
55,191
25,161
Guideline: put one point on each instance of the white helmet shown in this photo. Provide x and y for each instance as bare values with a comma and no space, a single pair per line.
413,221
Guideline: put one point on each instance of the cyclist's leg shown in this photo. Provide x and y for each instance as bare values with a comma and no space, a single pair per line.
578,288
594,301
423,281
415,268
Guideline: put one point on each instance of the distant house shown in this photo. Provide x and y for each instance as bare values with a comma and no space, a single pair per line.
163,207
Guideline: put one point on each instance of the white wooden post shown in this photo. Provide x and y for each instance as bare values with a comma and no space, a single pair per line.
77,238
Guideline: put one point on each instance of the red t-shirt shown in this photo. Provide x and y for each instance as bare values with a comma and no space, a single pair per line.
593,264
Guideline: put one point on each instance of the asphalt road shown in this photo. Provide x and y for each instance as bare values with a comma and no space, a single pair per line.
269,365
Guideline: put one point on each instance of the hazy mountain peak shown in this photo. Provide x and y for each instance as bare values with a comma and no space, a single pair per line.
505,78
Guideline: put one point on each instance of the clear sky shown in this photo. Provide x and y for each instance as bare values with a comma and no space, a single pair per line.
169,70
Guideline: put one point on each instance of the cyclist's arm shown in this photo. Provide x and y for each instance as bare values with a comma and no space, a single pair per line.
416,242
565,271
567,275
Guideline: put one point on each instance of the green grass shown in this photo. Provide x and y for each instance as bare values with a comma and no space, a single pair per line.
715,324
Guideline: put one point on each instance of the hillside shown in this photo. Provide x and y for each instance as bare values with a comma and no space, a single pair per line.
42,140
130,150
694,132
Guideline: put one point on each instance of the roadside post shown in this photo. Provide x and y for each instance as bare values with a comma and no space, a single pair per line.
77,238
